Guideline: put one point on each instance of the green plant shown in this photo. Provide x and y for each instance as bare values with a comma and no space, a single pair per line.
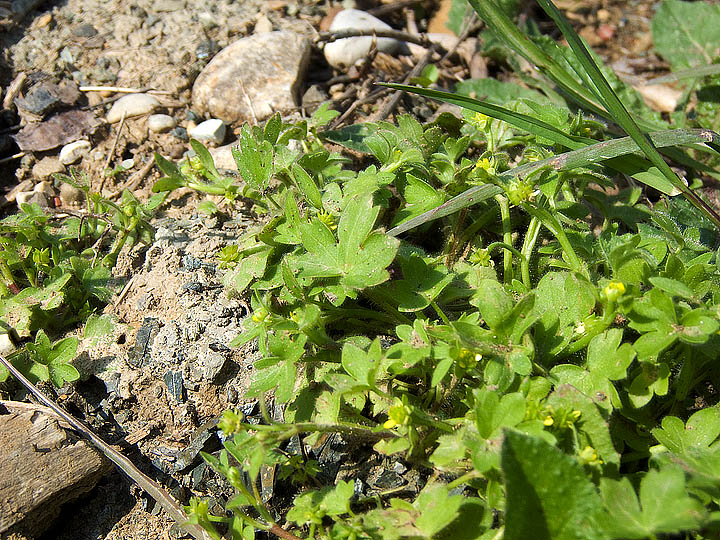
56,272
477,304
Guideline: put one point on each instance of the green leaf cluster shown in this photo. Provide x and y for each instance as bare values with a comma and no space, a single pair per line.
57,271
477,305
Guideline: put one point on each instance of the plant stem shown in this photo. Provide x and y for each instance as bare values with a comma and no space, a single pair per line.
462,479
553,225
440,312
531,236
597,329
507,237
376,299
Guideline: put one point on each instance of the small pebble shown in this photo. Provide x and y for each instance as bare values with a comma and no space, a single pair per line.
43,20
46,167
262,69
132,105
30,197
179,133
206,50
343,53
70,195
6,344
74,152
209,131
263,25
85,30
603,15
45,188
27,161
160,123
605,32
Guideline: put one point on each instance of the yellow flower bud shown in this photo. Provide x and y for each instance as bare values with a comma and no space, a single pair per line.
614,290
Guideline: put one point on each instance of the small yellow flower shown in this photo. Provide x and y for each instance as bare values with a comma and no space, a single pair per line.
480,120
519,192
614,290
328,219
467,359
589,456
260,315
487,165
398,415
549,420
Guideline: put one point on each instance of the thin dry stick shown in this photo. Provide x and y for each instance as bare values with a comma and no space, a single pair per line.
417,70
410,21
10,158
389,8
417,39
375,94
125,291
13,90
123,90
151,487
395,98
112,152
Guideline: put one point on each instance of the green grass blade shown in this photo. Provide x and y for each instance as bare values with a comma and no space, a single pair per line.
692,73
606,151
506,30
472,196
522,121
635,166
496,19
619,113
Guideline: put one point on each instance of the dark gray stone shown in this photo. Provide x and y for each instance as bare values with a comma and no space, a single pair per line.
144,337
174,382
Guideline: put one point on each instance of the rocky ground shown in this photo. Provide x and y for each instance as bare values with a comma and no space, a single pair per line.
202,69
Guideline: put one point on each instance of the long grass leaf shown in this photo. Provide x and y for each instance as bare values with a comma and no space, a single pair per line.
522,121
601,152
637,167
692,73
619,113
505,29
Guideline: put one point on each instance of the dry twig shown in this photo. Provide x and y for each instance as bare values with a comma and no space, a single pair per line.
417,39
112,152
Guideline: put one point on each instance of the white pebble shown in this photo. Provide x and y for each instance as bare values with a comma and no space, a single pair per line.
74,152
263,25
6,344
160,123
212,130
132,105
343,53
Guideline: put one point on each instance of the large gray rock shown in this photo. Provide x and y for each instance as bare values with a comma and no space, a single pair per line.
343,53
253,77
